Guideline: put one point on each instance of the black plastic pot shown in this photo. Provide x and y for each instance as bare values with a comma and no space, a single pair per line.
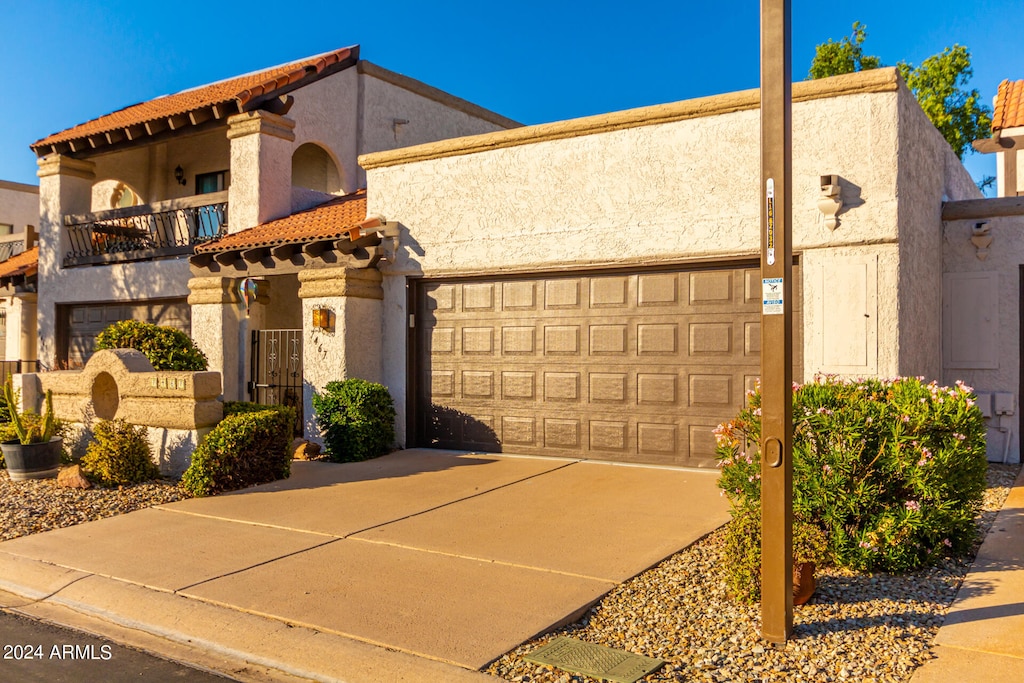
34,460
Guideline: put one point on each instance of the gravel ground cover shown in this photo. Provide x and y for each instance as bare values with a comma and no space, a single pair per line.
857,627
32,506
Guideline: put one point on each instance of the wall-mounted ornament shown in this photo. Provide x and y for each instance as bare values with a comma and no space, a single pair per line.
981,239
830,201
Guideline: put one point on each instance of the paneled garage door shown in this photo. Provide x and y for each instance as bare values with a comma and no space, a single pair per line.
637,366
82,322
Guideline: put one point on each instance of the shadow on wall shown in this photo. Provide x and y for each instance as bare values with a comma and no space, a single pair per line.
449,428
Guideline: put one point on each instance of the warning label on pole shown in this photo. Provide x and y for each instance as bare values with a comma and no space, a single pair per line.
771,296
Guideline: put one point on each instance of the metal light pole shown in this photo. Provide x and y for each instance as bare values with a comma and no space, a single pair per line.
776,324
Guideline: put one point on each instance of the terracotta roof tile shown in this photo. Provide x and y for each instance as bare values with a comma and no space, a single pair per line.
330,220
26,264
240,90
1009,111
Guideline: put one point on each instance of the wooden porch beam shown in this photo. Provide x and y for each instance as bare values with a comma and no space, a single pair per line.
200,116
284,252
995,207
178,122
157,126
115,136
314,249
226,258
200,260
255,255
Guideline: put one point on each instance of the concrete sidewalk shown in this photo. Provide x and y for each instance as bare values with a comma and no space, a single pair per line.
421,565
982,638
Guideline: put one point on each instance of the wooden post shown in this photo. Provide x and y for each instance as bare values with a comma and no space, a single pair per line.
776,324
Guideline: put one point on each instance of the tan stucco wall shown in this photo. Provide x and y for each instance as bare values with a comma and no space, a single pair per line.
929,173
19,205
997,296
325,113
670,192
384,103
149,170
20,342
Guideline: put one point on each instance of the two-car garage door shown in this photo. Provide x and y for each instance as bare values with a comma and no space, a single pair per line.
634,366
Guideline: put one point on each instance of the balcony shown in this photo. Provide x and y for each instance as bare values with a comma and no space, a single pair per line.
140,233
15,243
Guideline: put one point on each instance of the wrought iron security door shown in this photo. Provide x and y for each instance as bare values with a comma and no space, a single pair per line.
277,370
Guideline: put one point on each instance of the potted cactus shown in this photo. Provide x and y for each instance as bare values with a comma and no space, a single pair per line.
35,454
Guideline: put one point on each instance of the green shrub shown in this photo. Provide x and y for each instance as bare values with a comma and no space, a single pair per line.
119,455
742,548
165,347
357,419
245,449
893,471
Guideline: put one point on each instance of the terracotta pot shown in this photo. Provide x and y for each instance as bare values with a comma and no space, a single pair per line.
803,582
34,460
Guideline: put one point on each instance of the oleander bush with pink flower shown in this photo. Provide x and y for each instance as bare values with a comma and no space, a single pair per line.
891,471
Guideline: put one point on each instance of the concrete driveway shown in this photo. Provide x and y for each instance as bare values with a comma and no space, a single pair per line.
420,565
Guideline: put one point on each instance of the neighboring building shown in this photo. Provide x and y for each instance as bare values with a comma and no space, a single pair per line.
19,216
126,198
1007,137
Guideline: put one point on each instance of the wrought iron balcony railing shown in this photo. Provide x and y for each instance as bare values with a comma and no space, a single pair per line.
139,233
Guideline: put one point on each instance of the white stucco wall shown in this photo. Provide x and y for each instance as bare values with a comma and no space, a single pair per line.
665,193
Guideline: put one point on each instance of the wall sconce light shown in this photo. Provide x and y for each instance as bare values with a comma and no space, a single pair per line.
981,239
830,201
179,175
322,318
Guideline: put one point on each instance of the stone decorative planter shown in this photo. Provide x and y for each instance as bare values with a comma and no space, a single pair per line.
804,584
34,460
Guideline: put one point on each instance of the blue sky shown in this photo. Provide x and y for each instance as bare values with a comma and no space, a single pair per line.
68,61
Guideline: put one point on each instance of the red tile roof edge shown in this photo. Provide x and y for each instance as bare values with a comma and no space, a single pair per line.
192,99
1009,105
26,263
251,238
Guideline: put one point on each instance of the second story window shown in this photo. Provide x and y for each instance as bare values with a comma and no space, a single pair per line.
6,229
211,182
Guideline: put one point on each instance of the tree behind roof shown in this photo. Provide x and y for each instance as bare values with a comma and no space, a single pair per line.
939,84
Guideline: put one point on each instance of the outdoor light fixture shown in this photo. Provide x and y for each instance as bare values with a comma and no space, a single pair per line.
322,318
179,175
830,201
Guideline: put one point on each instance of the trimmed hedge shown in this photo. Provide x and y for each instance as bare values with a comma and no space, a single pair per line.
165,347
891,471
250,446
120,455
357,419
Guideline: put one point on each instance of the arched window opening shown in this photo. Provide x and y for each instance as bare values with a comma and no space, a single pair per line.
314,169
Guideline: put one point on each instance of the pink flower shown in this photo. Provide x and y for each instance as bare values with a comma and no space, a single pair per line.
913,505
946,542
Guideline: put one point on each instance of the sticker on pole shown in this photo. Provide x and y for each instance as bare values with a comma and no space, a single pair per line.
770,219
771,296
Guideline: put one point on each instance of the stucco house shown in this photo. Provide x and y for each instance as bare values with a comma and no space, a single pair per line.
19,216
128,197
